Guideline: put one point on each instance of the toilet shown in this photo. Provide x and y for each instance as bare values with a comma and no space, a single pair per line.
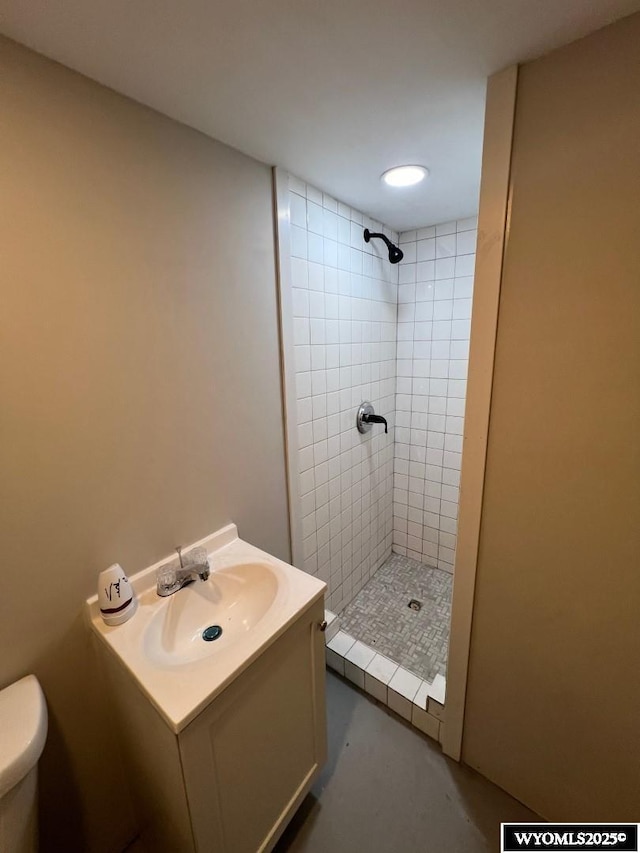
23,731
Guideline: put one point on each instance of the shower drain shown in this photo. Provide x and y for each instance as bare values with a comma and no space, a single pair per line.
414,604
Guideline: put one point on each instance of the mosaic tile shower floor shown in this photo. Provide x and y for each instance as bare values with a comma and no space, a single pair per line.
380,616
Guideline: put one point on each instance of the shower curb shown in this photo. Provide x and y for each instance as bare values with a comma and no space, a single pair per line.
417,701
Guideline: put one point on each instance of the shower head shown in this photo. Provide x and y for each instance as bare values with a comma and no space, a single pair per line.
395,254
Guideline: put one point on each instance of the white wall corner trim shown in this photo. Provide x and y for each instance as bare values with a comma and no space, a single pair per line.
283,258
492,237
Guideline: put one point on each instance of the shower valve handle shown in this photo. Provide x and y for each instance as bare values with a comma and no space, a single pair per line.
365,416
375,419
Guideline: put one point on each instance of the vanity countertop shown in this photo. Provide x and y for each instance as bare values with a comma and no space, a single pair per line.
252,595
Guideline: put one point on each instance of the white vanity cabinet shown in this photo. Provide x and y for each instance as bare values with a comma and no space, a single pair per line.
230,781
251,756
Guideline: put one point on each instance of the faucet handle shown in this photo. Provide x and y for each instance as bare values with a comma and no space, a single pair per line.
166,578
195,557
197,561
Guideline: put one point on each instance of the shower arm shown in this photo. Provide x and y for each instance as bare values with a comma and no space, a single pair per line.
395,254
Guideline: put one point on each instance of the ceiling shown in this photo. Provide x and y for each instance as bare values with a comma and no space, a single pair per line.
335,91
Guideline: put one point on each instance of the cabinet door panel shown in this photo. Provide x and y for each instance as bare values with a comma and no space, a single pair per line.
248,757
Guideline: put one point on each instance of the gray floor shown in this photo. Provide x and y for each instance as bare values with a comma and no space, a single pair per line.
380,616
388,789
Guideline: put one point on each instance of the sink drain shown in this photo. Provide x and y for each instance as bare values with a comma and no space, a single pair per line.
211,633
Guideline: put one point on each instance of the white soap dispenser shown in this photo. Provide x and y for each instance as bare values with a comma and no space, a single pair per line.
116,598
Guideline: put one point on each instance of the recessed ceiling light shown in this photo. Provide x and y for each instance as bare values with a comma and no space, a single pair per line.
405,176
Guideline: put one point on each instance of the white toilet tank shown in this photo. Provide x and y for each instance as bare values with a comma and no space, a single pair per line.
23,731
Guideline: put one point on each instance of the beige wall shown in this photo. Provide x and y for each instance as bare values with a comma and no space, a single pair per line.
553,703
139,374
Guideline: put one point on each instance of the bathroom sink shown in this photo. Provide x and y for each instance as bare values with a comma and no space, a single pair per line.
251,595
233,599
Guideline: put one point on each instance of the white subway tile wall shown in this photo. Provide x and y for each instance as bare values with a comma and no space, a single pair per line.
434,321
344,298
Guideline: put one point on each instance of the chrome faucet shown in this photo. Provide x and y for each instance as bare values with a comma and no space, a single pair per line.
170,578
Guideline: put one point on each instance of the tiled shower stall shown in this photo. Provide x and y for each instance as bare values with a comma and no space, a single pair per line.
398,336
